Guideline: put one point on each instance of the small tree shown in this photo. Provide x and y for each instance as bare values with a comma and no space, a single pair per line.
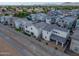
21,14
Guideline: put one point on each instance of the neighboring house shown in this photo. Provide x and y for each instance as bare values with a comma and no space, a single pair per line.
50,19
5,19
39,27
75,42
37,17
11,22
18,23
55,12
36,29
26,26
2,19
41,17
47,31
66,22
75,11
31,17
55,33
67,12
77,24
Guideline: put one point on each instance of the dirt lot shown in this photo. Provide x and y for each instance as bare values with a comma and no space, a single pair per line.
6,49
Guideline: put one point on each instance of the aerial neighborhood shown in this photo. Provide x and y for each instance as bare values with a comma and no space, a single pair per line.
59,27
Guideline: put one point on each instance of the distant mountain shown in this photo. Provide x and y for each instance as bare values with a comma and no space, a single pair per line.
30,3
70,4
40,3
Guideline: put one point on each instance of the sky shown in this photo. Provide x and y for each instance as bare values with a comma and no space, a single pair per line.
28,3
39,3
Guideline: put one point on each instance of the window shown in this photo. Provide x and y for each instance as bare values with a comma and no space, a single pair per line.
62,20
47,32
76,49
59,20
31,28
6,22
54,31
26,26
45,37
32,33
27,31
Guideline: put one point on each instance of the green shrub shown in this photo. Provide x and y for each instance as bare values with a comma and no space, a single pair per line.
18,30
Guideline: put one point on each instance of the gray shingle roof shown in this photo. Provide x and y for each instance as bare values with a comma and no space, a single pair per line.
24,22
77,24
49,27
54,26
76,35
27,23
58,38
54,36
40,25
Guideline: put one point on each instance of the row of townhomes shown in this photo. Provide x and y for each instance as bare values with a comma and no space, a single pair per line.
55,26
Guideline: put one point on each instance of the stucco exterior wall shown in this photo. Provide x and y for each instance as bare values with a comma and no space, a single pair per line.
74,46
46,35
34,30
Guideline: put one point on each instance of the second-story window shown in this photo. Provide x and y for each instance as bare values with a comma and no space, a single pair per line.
47,32
45,36
31,28
26,26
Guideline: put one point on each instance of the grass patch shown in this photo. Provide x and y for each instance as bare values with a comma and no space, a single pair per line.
19,30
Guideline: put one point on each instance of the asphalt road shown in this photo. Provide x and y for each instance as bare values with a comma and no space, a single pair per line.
25,45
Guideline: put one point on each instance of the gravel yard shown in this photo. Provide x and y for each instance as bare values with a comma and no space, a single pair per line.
6,49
